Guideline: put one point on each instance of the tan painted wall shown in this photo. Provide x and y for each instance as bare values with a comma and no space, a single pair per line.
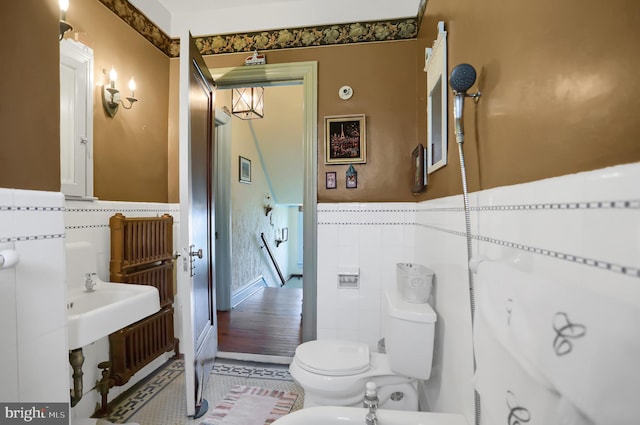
130,150
30,107
560,96
559,83
173,176
383,78
130,161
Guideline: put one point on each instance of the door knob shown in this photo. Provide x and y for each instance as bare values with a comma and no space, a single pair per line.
197,253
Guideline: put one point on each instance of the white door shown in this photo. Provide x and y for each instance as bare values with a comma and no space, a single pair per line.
196,283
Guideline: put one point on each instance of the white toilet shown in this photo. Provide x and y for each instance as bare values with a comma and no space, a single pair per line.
335,372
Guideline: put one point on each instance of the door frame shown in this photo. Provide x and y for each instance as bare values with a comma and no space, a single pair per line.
307,73
222,231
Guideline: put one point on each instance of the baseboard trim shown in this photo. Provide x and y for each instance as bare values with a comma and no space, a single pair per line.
245,292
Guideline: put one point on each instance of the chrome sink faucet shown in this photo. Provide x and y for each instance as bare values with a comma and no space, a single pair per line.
371,402
89,283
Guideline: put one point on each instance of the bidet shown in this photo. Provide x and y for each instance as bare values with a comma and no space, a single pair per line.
371,402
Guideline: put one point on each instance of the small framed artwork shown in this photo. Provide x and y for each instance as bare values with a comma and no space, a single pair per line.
331,180
345,139
244,170
418,168
352,178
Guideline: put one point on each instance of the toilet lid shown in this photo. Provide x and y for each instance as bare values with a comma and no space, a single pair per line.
333,357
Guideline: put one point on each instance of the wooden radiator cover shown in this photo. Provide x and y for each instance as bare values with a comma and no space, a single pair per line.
141,253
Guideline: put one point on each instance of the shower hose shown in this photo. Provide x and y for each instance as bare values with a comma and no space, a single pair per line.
467,220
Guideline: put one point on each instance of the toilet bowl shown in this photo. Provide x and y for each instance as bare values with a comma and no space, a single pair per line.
335,372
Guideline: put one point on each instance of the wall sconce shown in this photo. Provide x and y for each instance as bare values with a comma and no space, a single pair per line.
111,95
267,204
64,25
247,103
283,237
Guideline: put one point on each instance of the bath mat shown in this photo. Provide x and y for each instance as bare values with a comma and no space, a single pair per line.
245,405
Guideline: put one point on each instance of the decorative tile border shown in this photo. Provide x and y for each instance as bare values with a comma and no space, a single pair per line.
29,208
368,223
324,35
628,204
605,265
124,210
242,371
129,403
590,205
175,212
31,238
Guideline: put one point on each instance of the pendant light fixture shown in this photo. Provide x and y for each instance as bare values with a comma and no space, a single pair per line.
247,103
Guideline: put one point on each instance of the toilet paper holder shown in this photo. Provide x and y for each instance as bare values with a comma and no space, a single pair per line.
9,258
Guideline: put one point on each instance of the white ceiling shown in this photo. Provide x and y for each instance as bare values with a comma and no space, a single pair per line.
210,17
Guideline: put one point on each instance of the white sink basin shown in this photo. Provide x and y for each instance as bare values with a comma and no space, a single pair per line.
110,307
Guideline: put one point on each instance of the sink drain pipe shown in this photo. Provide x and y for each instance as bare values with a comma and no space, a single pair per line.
76,359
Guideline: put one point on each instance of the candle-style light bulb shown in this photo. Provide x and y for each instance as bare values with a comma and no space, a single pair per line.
113,76
132,87
64,5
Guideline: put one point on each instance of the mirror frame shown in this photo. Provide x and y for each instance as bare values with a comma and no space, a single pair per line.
437,130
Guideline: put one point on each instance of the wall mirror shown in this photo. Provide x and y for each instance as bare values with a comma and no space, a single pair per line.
436,69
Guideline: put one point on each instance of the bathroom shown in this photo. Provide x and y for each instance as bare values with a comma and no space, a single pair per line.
559,98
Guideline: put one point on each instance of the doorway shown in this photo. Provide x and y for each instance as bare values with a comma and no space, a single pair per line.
303,74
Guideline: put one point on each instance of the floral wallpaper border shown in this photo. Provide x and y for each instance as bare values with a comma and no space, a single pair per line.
357,32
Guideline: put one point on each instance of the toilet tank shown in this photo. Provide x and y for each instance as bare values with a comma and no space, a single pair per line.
408,330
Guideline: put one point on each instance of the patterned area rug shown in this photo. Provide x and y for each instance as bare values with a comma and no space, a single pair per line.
159,400
245,405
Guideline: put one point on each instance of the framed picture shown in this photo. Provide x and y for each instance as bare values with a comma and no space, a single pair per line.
352,181
331,180
345,140
352,177
418,168
244,170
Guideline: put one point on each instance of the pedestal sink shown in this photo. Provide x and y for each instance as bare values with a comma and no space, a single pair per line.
110,307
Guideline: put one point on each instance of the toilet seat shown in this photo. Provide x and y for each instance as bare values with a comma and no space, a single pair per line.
333,357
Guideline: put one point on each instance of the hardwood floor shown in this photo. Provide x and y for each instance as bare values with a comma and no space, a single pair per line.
268,323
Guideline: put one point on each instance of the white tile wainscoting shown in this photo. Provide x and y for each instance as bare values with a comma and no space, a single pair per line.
89,222
581,229
33,355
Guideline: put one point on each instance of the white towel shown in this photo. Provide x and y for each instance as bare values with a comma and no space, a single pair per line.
584,346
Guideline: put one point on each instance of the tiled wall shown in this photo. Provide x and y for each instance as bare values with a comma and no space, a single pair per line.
33,355
89,222
583,229
372,238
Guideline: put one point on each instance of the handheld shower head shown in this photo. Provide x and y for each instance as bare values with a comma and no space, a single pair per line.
462,78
